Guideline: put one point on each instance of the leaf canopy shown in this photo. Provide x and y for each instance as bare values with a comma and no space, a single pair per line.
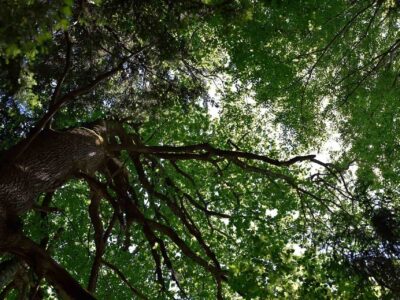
252,89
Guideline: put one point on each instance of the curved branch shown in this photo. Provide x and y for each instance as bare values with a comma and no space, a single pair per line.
203,152
44,265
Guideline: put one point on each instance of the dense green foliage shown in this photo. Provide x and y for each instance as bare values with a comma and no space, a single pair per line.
287,78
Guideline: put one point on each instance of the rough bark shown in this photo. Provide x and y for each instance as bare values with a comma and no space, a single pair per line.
51,159
43,265
8,270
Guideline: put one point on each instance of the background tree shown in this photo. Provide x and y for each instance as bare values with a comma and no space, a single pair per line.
137,192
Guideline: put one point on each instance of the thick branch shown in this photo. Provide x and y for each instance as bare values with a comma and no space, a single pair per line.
8,268
44,265
40,125
203,152
94,212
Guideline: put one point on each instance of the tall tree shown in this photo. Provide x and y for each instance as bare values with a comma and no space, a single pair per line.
116,181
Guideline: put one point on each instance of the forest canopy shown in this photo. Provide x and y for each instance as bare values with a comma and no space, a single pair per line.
205,149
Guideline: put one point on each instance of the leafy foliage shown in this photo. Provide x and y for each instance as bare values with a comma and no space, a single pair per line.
261,218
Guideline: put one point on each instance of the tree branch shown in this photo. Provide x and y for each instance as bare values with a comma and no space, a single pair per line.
63,75
203,152
44,265
124,279
94,212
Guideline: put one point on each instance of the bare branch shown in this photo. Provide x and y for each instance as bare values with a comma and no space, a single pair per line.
203,152
121,275
63,75
94,212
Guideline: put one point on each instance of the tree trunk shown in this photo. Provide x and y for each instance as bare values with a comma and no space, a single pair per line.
51,159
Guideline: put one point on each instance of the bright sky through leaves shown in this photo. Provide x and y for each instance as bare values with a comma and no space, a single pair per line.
199,149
